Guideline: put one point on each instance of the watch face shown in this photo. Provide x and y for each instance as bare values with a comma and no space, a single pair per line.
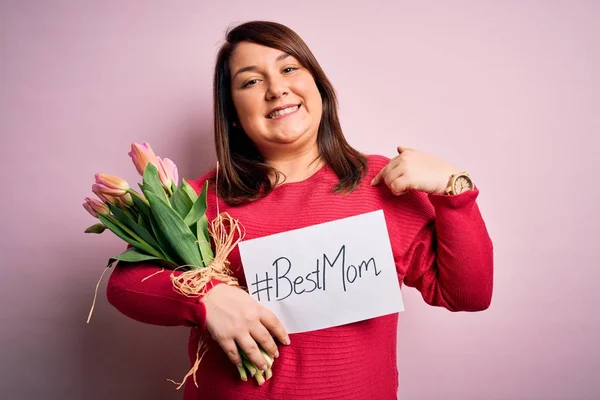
462,184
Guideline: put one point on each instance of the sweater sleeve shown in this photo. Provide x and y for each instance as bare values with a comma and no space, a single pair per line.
153,300
447,252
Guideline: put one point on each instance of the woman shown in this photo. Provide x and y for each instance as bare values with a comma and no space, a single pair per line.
284,164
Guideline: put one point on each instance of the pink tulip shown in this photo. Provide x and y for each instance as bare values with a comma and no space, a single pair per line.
110,185
105,197
90,210
102,190
167,172
95,207
141,155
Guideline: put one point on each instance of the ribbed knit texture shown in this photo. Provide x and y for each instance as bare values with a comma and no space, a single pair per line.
440,245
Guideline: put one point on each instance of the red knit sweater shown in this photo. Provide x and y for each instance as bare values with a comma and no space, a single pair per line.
440,246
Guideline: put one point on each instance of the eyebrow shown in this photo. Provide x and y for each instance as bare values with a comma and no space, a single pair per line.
281,57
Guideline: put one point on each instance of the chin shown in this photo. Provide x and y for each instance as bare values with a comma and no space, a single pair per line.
289,137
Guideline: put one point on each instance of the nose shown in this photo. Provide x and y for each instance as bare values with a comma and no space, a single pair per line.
276,89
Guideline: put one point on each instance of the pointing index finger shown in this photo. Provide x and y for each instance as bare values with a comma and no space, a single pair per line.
377,178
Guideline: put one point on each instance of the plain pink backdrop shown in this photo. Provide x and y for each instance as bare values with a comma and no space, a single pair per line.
507,90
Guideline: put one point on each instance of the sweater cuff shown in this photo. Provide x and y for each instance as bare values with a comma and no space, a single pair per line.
457,201
202,316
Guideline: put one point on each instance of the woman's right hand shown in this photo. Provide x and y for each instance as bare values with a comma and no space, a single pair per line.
234,317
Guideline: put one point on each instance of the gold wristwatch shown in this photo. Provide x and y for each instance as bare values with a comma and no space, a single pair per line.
459,183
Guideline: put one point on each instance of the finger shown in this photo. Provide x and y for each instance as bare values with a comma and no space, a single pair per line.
384,171
230,348
394,173
375,181
252,352
401,149
273,325
262,336
400,185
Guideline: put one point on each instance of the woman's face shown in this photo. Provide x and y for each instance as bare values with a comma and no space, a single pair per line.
277,100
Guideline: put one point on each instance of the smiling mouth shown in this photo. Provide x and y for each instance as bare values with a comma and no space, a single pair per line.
284,112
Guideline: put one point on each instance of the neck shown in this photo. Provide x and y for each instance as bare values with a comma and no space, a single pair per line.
297,166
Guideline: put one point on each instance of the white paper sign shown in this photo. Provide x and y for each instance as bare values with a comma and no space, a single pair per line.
325,275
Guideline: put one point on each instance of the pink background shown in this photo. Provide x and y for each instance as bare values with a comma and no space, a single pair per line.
507,90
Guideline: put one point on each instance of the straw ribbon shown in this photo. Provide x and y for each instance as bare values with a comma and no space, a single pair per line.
226,233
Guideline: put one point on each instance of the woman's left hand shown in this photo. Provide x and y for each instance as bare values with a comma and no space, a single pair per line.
414,170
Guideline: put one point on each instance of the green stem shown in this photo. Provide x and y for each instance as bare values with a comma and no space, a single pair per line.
251,368
260,379
242,371
268,359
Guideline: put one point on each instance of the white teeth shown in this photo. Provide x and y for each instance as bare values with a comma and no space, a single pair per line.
285,111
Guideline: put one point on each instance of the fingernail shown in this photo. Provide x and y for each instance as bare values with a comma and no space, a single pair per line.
264,368
287,341
276,355
372,181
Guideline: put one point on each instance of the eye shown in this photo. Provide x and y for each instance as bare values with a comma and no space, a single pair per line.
249,83
288,70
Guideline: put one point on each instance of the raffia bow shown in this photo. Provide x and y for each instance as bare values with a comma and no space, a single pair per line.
226,232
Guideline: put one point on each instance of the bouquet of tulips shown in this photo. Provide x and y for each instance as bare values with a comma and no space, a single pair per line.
166,222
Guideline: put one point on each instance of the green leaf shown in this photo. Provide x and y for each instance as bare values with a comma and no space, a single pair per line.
119,232
176,232
189,190
152,183
96,228
134,255
181,202
198,209
204,241
129,212
138,229
141,206
165,246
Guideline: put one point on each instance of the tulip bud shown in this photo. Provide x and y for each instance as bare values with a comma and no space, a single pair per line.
111,185
126,200
89,209
96,228
141,155
95,207
105,197
167,172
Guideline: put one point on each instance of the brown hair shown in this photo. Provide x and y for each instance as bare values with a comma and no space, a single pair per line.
243,174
